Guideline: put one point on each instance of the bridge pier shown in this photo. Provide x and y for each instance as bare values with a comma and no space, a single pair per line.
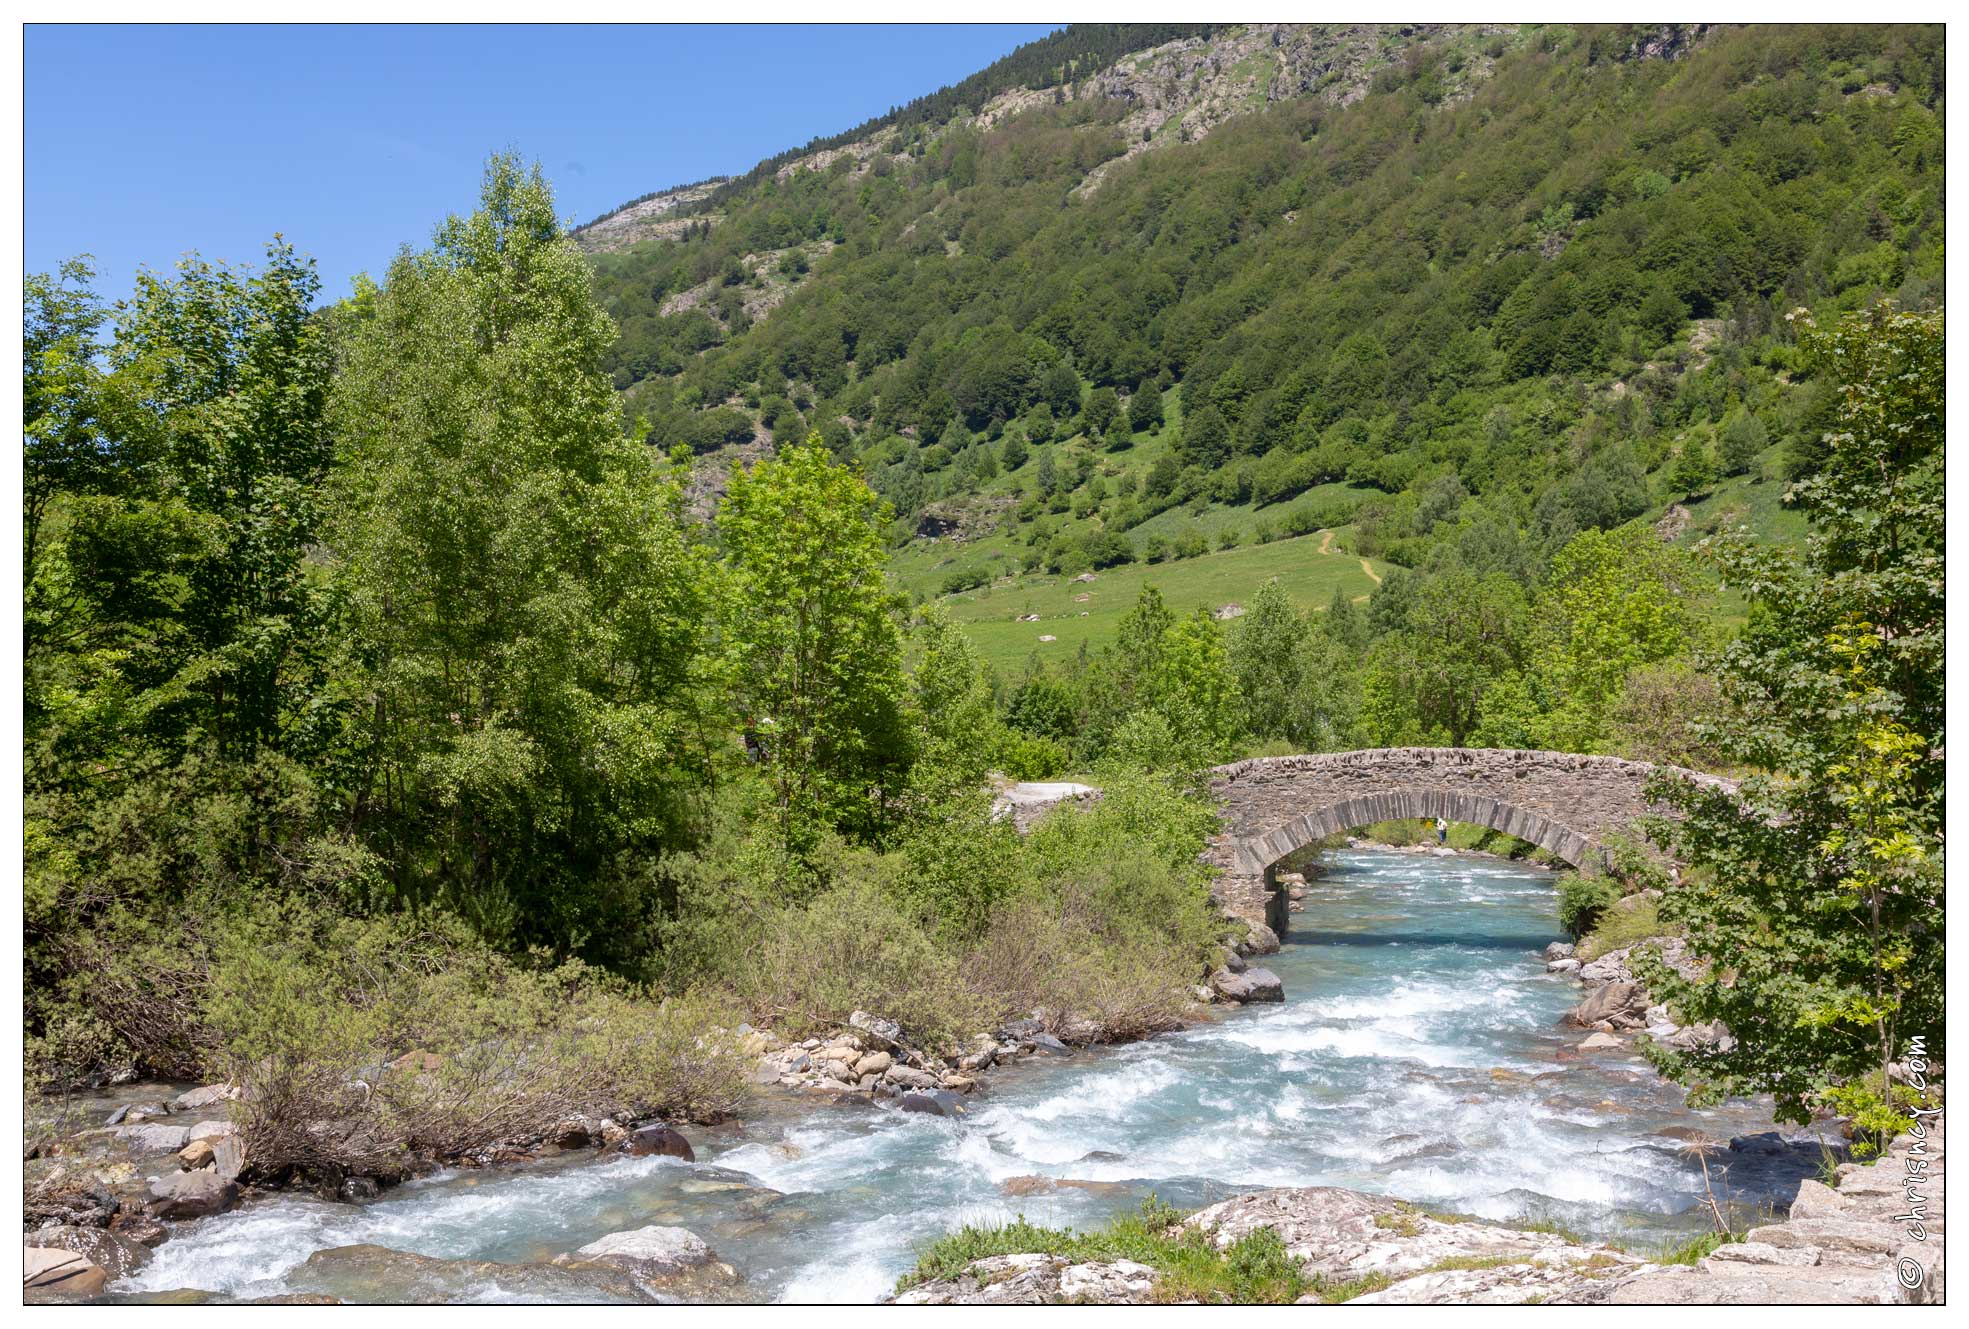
1251,897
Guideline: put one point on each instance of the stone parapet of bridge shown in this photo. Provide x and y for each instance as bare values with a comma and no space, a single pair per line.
1272,807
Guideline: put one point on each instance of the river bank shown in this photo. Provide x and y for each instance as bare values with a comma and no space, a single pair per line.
1845,1243
1418,1053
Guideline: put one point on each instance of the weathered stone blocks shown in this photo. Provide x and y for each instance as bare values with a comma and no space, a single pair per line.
1272,806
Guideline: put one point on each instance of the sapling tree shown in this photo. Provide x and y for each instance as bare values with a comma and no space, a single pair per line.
1815,895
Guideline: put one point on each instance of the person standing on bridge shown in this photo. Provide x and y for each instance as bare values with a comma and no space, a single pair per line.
1442,831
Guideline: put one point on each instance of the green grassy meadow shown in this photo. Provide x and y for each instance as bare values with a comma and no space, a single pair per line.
1073,612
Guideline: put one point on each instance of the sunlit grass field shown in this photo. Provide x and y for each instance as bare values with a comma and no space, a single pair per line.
1073,612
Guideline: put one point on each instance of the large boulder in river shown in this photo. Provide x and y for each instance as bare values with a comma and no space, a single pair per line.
1261,940
1623,1000
910,1078
1044,1044
656,1251
149,1139
51,1273
1251,985
658,1139
206,1096
117,1255
666,1261
938,1102
192,1194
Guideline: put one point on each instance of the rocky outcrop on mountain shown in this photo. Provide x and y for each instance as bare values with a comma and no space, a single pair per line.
1177,92
645,219
1182,90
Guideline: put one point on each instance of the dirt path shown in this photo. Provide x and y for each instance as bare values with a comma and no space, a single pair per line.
1368,568
1326,542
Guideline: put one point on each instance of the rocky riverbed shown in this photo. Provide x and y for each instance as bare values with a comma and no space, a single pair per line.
1849,1243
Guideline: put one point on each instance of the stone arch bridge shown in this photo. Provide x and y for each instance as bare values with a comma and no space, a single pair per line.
1274,806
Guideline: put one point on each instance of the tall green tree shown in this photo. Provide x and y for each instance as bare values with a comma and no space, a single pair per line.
172,494
1292,681
1817,892
1613,602
528,611
1427,681
813,647
176,636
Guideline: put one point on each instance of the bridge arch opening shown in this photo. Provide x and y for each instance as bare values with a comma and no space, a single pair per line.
1273,848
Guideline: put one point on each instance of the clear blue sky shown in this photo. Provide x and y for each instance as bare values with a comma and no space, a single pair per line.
143,142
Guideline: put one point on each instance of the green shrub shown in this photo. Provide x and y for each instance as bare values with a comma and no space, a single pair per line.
1633,865
1026,756
853,948
375,1046
1582,898
1624,922
966,579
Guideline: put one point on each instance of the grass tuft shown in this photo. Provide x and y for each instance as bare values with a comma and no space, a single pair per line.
1256,1269
1692,1250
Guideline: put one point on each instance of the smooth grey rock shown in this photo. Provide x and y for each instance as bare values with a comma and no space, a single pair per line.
653,1250
939,1102
1251,985
1816,1200
910,1078
57,1274
1751,1287
116,1254
149,1139
1558,950
1045,1045
658,1139
206,1096
1762,1252
191,1194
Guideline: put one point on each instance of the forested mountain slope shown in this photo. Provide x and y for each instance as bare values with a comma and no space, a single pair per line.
1139,293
